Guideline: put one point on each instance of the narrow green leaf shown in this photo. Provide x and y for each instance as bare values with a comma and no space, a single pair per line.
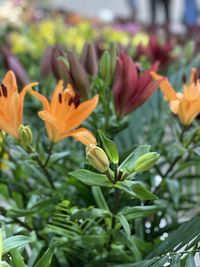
190,261
142,192
17,259
176,261
91,178
15,242
124,224
90,213
174,189
127,166
132,213
126,188
110,148
57,156
46,259
161,261
99,198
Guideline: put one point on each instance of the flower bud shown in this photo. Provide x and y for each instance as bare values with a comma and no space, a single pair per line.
146,161
25,135
105,67
89,59
97,158
113,59
59,66
79,76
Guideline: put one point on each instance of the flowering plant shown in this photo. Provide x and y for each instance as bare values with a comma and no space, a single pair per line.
96,168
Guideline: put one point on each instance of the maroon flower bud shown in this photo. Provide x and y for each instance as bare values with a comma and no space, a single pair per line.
59,66
45,66
12,63
131,88
89,59
79,76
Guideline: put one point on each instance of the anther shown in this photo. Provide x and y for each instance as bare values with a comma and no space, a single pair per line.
184,79
4,90
60,98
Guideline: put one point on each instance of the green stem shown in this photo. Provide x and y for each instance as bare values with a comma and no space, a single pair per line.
49,155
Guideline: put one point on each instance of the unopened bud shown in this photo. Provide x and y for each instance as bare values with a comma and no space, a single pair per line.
97,158
146,161
105,67
25,135
59,65
89,59
79,76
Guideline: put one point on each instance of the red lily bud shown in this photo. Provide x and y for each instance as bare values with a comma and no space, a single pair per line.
59,67
89,59
131,88
12,63
79,76
45,67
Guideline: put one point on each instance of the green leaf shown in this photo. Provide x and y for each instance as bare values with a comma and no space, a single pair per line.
91,178
124,224
177,239
197,151
125,187
142,192
57,156
99,198
132,213
46,259
176,261
174,189
110,148
15,242
90,213
128,164
17,259
161,261
190,261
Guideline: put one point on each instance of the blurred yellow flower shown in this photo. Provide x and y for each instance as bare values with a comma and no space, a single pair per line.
140,39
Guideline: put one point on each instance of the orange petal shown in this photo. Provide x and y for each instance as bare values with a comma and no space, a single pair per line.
21,101
79,114
53,120
40,97
10,81
165,86
54,99
84,136
8,127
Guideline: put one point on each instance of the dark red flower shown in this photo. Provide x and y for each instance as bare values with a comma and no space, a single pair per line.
131,88
157,51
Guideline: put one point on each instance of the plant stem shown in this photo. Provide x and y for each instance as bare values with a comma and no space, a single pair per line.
49,155
44,165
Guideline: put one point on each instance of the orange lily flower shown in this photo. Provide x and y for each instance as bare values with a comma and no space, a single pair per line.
11,104
185,105
64,113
